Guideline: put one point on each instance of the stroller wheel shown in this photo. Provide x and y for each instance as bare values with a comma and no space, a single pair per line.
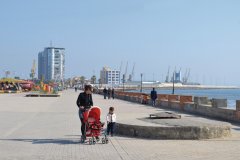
103,141
90,141
107,140
93,141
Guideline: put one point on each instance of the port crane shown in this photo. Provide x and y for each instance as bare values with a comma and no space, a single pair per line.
33,70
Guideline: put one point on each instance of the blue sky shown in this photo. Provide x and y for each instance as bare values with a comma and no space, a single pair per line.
154,34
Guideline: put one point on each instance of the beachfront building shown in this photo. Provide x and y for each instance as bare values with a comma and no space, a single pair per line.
109,76
51,64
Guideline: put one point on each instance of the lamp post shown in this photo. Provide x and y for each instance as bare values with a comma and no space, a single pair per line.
123,81
141,82
173,83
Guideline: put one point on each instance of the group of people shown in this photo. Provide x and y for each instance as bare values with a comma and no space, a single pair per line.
85,102
110,93
9,86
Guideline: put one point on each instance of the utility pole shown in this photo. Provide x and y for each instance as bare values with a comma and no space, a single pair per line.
123,81
141,82
173,82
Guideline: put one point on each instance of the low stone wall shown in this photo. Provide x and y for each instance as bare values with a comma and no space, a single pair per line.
215,108
189,132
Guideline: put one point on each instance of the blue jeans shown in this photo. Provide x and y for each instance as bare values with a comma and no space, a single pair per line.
110,128
105,95
83,127
153,102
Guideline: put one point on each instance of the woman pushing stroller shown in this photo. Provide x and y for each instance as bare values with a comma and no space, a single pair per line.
84,103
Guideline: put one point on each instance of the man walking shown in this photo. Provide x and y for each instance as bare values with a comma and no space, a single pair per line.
153,97
113,93
105,93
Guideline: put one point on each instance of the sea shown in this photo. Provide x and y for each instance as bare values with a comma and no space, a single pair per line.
230,94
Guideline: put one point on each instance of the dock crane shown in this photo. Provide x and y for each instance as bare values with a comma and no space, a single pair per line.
125,74
167,77
186,76
33,70
131,76
120,69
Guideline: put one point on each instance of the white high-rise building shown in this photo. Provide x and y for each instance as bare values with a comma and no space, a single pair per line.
109,76
51,64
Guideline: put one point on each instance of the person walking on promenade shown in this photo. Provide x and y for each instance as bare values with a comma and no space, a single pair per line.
153,97
105,93
109,93
75,88
113,93
84,102
111,121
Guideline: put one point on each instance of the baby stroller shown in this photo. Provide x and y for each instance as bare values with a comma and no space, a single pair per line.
93,126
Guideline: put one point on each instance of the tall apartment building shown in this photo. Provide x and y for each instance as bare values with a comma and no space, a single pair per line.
109,76
51,64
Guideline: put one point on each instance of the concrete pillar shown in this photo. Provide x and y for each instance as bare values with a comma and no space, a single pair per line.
237,105
201,100
219,103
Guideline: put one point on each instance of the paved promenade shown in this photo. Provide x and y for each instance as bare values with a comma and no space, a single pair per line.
48,128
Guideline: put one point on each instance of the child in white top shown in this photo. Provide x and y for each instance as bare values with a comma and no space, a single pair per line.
111,121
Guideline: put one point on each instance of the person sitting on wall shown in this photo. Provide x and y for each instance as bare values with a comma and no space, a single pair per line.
144,98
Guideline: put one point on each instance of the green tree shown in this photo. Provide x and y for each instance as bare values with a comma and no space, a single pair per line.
82,81
93,79
100,82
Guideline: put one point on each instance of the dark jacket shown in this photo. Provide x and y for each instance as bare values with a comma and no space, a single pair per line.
85,100
154,95
109,91
105,91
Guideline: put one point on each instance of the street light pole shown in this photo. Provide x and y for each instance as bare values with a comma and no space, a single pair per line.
173,83
141,82
123,81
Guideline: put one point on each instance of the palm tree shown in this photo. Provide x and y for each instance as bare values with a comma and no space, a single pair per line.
93,79
82,80
100,82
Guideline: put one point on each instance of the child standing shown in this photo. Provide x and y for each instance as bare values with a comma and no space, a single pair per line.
111,120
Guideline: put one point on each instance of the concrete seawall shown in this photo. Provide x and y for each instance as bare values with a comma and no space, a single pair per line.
214,108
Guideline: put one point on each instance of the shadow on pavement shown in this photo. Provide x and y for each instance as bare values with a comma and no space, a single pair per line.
236,129
73,135
47,141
